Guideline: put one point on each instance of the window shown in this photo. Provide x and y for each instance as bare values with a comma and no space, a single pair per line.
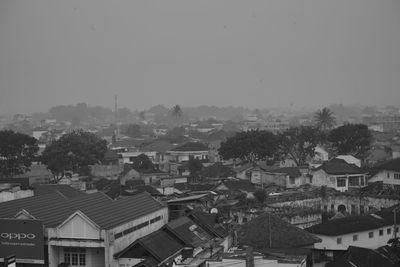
339,240
371,234
397,229
291,180
354,181
361,209
355,237
332,207
75,256
326,208
381,232
341,182
397,176
389,231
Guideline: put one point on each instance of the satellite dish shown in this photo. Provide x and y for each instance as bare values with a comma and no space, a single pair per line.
214,210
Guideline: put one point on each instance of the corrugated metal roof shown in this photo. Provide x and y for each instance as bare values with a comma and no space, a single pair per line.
54,208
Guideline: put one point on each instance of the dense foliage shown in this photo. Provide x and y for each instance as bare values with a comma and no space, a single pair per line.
74,151
17,151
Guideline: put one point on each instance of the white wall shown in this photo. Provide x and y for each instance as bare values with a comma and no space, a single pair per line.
382,176
330,242
8,195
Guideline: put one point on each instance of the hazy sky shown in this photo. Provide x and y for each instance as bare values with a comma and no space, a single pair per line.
251,53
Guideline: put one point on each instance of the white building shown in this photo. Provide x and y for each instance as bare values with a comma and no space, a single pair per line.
89,230
339,175
388,173
191,149
367,231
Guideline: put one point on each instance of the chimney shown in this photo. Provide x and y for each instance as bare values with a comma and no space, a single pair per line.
249,257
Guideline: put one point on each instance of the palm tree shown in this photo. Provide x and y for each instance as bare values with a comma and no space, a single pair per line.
176,111
324,119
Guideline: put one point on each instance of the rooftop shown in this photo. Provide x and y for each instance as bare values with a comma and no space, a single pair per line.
340,167
269,231
191,146
54,208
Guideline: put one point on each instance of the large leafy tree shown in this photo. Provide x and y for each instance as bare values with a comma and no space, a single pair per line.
250,146
17,151
354,139
324,119
298,143
74,151
142,163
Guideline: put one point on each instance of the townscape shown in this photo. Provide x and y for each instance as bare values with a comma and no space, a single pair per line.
163,188
202,133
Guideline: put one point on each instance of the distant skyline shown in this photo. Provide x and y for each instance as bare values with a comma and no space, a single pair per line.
255,54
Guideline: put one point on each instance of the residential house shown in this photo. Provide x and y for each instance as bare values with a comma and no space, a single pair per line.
289,177
367,231
191,149
181,206
387,173
190,234
155,249
339,175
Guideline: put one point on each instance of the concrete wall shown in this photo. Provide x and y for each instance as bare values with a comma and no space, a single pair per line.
353,204
9,195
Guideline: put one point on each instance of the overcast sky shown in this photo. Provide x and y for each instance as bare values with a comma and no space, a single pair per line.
265,53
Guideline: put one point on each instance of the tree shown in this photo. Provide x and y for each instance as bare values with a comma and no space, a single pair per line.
17,151
194,166
250,146
298,143
142,163
354,139
74,151
324,119
176,111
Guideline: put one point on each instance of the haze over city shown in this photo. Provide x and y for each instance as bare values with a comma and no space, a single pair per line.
242,53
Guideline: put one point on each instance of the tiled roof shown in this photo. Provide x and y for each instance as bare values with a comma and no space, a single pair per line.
265,228
188,232
159,244
340,167
54,208
209,223
391,165
345,225
360,257
66,190
191,146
